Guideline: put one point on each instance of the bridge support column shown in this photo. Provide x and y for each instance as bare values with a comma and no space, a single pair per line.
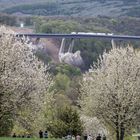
113,43
71,45
37,40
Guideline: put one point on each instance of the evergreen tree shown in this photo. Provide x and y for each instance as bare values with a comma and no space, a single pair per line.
66,121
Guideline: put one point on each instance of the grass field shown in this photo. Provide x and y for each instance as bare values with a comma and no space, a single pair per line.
131,138
2,138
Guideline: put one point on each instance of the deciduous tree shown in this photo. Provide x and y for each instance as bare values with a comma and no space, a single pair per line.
23,78
111,90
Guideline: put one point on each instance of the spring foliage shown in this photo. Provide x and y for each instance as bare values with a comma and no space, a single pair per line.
23,79
111,90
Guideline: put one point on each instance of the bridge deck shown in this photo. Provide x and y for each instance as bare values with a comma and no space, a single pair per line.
116,37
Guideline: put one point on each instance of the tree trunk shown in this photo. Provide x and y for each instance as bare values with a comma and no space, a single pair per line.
122,131
117,131
138,131
117,134
117,128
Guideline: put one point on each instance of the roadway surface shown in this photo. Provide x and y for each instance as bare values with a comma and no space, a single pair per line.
101,36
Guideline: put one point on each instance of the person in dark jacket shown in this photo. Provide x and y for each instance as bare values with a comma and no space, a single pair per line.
104,137
98,137
40,134
85,137
14,135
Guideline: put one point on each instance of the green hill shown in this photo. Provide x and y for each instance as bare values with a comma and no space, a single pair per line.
84,8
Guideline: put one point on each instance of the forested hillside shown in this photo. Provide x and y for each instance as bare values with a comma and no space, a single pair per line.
90,48
72,7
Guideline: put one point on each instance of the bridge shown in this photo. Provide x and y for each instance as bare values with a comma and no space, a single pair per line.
81,35
75,58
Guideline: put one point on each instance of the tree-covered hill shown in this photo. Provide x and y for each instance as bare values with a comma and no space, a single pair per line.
90,48
83,8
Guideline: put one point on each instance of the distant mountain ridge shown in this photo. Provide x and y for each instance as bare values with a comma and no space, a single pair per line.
85,8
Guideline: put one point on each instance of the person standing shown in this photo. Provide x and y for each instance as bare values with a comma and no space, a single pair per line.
78,137
73,137
98,137
104,137
40,134
69,137
46,134
85,137
14,135
89,137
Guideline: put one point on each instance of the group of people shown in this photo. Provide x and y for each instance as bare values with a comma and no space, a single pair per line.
86,137
68,137
43,134
21,136
98,137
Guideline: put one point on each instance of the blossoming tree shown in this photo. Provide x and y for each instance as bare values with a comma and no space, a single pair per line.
111,90
23,78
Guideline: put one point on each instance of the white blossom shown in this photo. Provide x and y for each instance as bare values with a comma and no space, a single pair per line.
111,90
24,79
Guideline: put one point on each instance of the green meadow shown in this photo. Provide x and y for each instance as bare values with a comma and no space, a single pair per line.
6,138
